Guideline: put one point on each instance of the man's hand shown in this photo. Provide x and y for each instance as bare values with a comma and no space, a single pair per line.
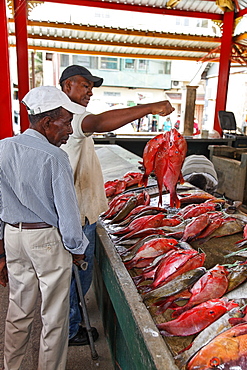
163,108
78,260
3,272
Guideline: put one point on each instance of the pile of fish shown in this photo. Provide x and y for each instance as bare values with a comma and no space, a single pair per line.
186,299
167,271
115,187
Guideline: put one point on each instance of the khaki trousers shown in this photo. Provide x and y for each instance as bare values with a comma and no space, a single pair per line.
37,261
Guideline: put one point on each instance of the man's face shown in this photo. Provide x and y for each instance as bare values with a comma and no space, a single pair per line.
79,90
57,131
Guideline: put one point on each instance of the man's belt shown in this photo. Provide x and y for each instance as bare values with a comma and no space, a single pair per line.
36,225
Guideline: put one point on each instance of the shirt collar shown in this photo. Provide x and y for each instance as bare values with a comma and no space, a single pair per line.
34,133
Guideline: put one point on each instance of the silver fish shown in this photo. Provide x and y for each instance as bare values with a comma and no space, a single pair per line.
178,284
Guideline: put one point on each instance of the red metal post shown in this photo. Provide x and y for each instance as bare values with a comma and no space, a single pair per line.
224,67
6,127
20,7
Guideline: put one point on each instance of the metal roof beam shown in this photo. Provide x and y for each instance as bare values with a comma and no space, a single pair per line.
104,53
120,31
115,43
137,8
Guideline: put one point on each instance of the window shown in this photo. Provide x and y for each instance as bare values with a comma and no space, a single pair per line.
142,64
129,64
82,60
167,68
64,60
202,23
108,63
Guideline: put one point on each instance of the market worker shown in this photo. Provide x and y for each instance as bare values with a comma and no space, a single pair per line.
199,171
41,230
77,82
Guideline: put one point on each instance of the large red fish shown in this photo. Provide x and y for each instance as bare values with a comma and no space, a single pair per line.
150,250
211,285
149,154
140,223
176,264
177,153
227,351
195,227
168,163
160,166
197,318
199,210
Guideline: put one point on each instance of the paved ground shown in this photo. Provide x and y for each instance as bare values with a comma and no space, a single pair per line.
78,357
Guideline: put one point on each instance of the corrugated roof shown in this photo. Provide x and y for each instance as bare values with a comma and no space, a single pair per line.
141,35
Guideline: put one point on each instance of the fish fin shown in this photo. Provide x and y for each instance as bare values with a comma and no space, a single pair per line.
144,181
165,333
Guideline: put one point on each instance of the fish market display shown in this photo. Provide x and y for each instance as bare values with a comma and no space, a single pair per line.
190,277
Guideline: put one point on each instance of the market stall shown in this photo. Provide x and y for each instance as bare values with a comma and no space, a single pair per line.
130,321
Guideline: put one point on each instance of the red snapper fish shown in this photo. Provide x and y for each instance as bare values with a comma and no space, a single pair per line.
199,210
195,227
174,265
211,285
149,154
168,163
227,351
177,153
150,250
140,223
160,166
132,178
197,318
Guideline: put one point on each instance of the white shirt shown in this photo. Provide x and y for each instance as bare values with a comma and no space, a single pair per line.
88,177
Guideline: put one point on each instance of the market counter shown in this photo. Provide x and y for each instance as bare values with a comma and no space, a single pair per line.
133,337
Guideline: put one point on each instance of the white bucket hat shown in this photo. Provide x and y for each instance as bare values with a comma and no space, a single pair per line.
44,98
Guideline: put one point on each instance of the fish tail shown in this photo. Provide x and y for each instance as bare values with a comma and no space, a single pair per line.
138,279
174,201
129,264
164,307
178,311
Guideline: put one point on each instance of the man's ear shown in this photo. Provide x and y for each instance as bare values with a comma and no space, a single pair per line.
67,86
45,122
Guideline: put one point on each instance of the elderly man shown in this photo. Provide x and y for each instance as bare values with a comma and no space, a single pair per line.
41,230
78,83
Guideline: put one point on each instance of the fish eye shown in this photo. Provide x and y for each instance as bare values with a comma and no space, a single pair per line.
215,361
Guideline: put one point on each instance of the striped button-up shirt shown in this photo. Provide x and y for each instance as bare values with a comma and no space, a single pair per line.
36,185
